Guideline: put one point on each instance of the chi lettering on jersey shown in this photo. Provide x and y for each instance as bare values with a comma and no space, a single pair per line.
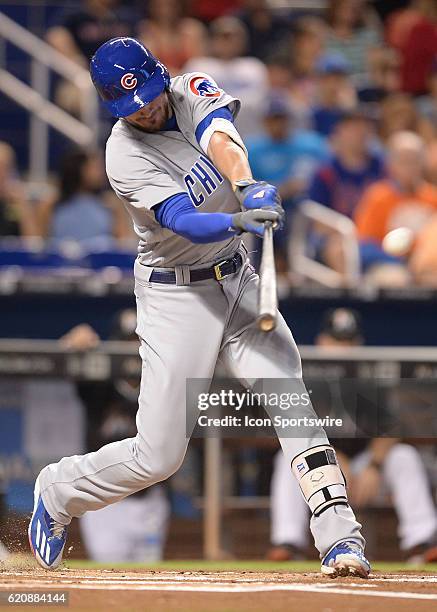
205,174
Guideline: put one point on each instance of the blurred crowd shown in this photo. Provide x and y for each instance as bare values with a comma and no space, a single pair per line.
338,106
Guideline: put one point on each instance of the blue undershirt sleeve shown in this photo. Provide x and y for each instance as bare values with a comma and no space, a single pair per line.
178,214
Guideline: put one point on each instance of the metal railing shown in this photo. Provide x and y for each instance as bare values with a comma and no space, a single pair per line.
35,97
305,267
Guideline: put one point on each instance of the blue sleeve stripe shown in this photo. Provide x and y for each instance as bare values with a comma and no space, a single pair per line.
223,113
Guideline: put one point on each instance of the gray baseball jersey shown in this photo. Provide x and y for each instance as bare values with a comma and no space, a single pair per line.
145,169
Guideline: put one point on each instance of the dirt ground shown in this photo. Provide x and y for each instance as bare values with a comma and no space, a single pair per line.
205,591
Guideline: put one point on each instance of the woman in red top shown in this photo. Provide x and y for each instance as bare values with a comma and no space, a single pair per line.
413,31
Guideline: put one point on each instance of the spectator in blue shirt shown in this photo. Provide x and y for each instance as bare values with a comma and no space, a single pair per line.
340,183
334,93
284,156
85,211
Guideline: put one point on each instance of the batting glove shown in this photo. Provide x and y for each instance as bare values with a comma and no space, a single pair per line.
256,194
259,194
253,220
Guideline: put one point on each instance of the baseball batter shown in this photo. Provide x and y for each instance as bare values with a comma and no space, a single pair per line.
179,166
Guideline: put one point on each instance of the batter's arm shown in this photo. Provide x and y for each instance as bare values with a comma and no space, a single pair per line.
231,161
229,158
180,216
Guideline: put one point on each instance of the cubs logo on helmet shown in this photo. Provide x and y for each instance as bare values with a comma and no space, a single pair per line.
201,86
128,81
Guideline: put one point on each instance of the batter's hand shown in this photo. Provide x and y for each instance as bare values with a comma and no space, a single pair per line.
253,220
257,194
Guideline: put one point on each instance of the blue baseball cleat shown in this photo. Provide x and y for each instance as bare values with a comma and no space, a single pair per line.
346,559
46,536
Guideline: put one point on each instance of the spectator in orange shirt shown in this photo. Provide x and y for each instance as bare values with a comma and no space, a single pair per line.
404,199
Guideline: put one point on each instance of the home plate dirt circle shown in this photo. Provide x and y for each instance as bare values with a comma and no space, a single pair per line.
236,591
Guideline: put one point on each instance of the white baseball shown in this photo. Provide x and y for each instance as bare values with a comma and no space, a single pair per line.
398,242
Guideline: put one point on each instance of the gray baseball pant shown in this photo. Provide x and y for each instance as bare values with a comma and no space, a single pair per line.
184,330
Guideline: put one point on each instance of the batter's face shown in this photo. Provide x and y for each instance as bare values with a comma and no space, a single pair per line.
154,116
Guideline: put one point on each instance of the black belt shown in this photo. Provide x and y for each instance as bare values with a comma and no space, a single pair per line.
220,271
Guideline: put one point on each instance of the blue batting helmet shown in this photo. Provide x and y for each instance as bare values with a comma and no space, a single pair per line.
127,76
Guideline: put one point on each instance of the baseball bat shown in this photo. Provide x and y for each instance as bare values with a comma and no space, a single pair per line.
268,299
